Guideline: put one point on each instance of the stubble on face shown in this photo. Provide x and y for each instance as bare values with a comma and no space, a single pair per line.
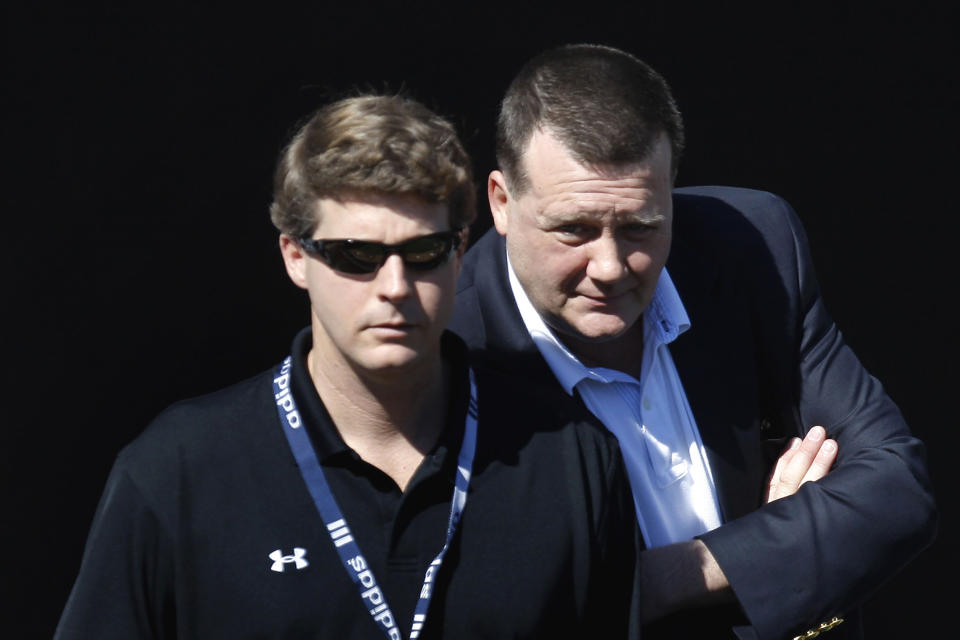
387,324
588,243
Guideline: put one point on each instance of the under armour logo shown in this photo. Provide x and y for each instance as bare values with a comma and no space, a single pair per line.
279,559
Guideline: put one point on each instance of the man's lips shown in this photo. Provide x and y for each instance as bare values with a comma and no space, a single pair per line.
396,327
606,298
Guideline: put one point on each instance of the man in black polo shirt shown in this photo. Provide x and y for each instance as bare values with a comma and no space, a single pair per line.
364,488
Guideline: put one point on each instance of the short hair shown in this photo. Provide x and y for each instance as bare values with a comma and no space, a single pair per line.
385,144
606,106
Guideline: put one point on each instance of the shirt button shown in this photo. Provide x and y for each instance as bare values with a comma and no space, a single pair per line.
647,404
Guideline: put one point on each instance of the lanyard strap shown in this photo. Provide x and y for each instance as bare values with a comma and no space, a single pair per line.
355,564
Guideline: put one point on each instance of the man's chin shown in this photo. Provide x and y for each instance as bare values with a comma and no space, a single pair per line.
595,330
391,359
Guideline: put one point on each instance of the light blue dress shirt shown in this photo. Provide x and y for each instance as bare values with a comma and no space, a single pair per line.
673,488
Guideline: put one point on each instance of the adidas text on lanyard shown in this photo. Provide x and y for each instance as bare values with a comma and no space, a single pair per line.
353,560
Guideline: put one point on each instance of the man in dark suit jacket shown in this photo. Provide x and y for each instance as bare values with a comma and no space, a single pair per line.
596,263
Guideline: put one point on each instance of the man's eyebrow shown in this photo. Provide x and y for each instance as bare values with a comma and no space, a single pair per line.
632,217
642,217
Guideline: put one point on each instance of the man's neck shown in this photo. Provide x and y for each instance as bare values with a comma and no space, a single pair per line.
623,353
391,422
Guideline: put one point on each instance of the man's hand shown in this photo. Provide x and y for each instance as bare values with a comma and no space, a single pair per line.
801,462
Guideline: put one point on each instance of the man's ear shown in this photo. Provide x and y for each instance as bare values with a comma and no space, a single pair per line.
294,259
499,198
462,249
464,241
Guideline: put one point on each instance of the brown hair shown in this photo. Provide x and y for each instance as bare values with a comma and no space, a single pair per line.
605,106
379,143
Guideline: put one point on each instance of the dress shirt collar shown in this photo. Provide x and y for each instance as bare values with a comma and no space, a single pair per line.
664,319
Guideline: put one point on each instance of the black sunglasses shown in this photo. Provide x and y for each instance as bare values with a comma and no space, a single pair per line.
422,253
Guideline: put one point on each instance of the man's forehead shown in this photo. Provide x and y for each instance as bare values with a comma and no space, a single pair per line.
369,212
554,174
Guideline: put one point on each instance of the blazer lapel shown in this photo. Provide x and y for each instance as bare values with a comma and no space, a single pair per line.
505,331
716,364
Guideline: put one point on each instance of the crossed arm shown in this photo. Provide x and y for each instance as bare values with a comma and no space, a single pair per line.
685,574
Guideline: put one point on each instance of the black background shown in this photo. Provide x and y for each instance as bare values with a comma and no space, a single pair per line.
141,266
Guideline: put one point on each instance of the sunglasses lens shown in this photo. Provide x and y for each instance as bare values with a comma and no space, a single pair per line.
426,253
355,257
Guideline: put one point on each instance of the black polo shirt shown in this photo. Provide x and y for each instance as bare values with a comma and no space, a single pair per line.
206,528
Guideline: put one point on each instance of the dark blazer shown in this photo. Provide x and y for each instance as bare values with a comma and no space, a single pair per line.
762,362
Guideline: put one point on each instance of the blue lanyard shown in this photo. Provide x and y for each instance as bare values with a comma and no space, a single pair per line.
355,564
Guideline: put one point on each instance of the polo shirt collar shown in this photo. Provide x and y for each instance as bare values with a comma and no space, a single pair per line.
323,433
664,319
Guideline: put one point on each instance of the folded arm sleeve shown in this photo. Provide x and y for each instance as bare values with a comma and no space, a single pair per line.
804,559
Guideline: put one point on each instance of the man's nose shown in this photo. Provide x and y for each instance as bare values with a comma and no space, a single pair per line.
393,279
606,264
